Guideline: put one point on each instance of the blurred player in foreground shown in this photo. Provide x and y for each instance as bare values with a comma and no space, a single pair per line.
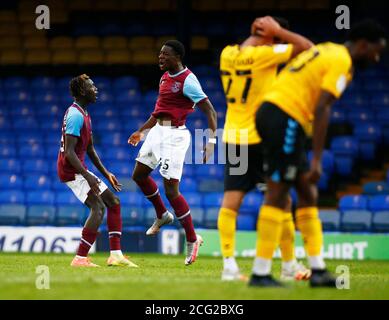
248,70
168,140
298,106
77,140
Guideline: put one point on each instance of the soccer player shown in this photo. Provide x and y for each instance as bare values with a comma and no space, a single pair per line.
77,140
298,106
168,140
248,70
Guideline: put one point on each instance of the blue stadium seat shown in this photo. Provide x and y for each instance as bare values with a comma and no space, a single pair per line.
132,216
134,110
132,125
40,197
26,123
345,145
380,221
32,151
54,126
4,123
7,151
197,216
35,166
380,99
18,96
37,182
330,220
105,97
360,115
114,139
70,215
63,83
353,202
40,215
210,220
246,222
374,188
50,109
211,171
12,197
210,185
66,198
213,199
252,201
379,203
132,199
15,82
8,165
130,96
338,115
10,181
193,199
356,220
117,154
126,82
52,151
368,134
188,185
205,70
107,125
150,98
344,165
42,83
121,168
102,83
104,111
12,214
22,110
46,96
149,216
58,186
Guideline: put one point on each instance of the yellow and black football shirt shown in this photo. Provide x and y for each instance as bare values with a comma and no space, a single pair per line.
326,66
247,74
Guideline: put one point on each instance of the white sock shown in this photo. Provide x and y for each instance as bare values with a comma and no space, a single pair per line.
164,215
287,265
117,253
262,267
230,264
316,262
80,257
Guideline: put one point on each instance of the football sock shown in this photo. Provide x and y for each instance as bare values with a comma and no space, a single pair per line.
261,267
151,191
230,264
226,224
269,229
287,237
88,237
309,224
114,223
287,265
182,211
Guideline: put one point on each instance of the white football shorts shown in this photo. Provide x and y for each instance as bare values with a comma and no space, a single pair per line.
80,186
165,146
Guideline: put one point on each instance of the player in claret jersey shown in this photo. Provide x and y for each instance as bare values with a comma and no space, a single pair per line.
168,140
76,141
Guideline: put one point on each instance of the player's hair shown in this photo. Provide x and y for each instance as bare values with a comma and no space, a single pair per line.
282,22
77,84
367,29
177,46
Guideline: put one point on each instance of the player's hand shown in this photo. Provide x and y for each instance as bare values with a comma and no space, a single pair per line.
208,151
315,171
114,182
135,138
93,183
267,27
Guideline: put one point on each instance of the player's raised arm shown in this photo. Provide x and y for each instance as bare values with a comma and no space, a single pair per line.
92,154
269,28
207,108
138,135
320,125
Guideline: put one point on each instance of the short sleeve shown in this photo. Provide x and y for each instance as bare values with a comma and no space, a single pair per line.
337,76
192,89
274,55
74,122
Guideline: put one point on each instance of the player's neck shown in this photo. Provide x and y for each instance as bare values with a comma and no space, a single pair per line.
82,104
176,69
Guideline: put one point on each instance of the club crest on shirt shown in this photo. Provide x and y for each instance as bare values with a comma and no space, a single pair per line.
176,87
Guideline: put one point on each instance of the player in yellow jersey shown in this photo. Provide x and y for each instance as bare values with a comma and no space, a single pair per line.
248,71
298,106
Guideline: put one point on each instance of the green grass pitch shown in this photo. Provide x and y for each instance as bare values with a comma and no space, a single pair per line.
166,277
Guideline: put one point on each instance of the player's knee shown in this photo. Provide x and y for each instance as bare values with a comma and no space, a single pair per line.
171,192
98,210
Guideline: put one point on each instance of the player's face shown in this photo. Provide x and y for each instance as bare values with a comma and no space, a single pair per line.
90,91
167,58
370,53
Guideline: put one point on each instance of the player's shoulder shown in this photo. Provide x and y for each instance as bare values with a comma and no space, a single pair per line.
74,114
332,50
229,49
